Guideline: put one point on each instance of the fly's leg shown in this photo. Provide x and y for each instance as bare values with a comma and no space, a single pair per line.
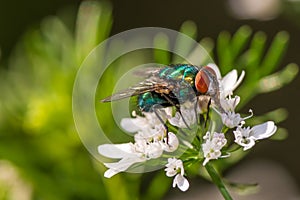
195,109
155,109
207,113
177,109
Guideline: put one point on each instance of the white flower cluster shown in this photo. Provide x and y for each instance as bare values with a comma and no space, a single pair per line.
151,139
150,143
212,146
244,137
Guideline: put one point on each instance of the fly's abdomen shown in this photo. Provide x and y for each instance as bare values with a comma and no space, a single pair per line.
147,100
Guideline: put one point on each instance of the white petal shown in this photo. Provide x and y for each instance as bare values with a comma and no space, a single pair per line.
153,150
120,166
132,124
181,182
170,172
229,104
264,130
249,145
171,162
229,80
110,173
239,80
116,150
216,69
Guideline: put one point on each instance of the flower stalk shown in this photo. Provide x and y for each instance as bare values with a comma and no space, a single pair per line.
217,180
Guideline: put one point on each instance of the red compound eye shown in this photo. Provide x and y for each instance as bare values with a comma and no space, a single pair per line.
210,70
202,82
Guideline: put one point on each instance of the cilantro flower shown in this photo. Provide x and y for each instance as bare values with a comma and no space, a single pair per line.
246,137
174,167
212,146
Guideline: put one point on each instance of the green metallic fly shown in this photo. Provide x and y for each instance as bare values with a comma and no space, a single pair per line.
172,85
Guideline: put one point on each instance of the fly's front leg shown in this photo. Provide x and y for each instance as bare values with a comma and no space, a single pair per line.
207,113
195,109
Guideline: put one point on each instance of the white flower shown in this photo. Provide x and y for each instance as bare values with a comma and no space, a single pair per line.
231,119
212,146
246,137
174,167
229,82
229,104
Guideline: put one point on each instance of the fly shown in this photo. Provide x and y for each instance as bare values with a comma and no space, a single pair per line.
172,85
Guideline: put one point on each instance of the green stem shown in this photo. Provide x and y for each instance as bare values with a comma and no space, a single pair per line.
218,181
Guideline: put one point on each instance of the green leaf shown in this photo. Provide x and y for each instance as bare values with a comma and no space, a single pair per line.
278,79
223,51
239,41
255,52
275,53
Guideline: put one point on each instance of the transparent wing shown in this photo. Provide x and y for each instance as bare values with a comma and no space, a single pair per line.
151,84
147,72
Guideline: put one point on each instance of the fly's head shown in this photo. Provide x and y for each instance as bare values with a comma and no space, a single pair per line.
206,82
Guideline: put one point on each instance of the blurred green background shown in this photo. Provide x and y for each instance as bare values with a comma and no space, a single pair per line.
41,156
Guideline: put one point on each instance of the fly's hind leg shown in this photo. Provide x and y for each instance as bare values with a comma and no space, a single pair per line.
179,111
155,110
